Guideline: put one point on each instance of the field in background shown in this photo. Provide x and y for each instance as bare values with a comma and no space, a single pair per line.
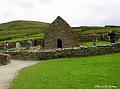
25,30
84,30
22,30
71,73
97,43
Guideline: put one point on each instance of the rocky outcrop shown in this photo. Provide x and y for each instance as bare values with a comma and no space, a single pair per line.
4,59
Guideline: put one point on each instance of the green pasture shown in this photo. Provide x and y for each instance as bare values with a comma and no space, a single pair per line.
71,73
97,43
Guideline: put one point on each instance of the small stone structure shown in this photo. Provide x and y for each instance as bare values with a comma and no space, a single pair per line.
4,59
66,52
60,35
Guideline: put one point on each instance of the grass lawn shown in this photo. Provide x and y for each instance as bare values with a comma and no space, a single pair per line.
71,73
31,37
97,43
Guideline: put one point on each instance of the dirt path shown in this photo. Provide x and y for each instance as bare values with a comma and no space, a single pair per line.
8,72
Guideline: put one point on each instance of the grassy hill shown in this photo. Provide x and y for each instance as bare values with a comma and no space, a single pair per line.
21,30
85,30
24,30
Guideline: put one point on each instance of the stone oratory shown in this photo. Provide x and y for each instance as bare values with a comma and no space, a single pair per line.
59,35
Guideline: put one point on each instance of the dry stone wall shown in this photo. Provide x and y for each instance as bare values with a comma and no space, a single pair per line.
66,52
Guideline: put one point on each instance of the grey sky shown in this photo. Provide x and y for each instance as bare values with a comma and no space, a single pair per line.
75,12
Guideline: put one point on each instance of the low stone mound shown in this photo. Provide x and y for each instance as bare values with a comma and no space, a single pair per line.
5,59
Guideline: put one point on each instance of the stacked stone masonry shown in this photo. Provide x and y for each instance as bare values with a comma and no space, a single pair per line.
60,35
66,52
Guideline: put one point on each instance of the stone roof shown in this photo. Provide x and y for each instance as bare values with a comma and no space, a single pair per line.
59,19
60,22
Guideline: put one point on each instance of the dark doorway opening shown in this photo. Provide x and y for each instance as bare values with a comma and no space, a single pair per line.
59,43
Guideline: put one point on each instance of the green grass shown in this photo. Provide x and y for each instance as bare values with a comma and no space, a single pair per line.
71,73
97,43
36,36
89,30
21,29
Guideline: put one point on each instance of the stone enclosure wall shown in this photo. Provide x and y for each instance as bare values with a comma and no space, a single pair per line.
68,52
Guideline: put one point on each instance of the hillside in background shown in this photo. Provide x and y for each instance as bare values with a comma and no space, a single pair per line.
86,30
24,30
16,30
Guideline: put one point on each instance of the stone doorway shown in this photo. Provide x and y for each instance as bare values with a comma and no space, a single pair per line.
59,43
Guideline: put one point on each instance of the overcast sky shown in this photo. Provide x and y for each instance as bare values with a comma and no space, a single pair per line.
75,12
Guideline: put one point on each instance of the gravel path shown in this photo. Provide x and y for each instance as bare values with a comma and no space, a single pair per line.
8,72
